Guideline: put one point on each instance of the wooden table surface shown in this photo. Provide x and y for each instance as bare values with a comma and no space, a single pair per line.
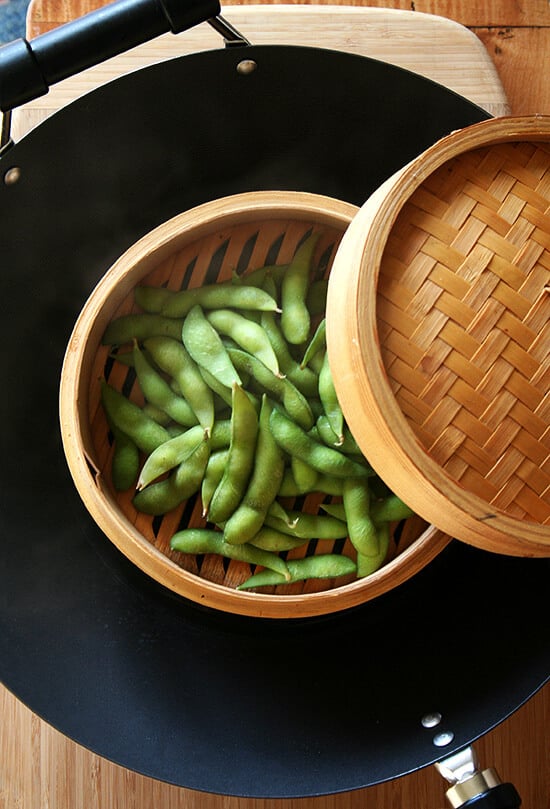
42,769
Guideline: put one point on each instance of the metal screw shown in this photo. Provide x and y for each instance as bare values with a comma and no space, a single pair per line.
246,66
11,177
443,739
431,720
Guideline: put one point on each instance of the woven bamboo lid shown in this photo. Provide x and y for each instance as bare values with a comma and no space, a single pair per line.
438,334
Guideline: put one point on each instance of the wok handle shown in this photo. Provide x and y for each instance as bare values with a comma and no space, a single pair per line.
28,69
503,796
473,788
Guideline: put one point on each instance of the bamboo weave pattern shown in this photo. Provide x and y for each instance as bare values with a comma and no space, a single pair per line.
464,310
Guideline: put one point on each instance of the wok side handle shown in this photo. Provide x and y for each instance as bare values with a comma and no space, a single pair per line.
473,788
28,69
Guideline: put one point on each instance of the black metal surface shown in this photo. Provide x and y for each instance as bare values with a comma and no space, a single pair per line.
197,698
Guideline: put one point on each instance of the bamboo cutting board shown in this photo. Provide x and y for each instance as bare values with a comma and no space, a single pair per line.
435,47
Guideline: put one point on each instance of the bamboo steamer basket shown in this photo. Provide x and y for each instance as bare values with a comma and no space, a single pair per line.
204,245
438,333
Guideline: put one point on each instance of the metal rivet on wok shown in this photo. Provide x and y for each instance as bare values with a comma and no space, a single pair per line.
443,739
431,720
12,175
246,66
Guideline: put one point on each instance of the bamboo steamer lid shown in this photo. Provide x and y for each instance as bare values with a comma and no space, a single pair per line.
438,334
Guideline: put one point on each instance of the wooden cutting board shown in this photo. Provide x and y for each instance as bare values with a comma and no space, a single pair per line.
432,46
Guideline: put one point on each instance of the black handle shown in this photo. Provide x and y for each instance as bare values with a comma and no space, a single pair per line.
503,796
28,69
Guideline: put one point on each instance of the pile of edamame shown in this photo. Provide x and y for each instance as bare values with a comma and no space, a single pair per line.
239,408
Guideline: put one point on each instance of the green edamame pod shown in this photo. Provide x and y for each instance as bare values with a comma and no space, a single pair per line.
130,419
361,529
367,564
247,334
316,299
257,276
269,539
173,358
304,379
326,484
204,345
390,509
139,326
323,566
165,495
309,526
329,400
304,474
296,441
169,455
212,476
206,540
267,473
159,393
152,299
294,402
329,437
244,432
318,343
125,461
218,296
295,317
335,510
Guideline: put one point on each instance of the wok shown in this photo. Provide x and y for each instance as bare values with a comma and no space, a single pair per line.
209,701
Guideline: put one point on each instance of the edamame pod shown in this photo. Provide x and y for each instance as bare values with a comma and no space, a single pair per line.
294,402
361,529
323,566
206,540
217,296
296,441
269,539
169,455
173,358
316,299
212,476
152,299
125,461
161,497
367,564
304,379
244,432
326,484
205,346
257,276
304,474
295,317
247,334
139,326
309,526
317,344
329,437
159,393
329,400
130,419
263,486
390,509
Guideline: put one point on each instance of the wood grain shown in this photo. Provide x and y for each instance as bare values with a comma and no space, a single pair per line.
42,769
